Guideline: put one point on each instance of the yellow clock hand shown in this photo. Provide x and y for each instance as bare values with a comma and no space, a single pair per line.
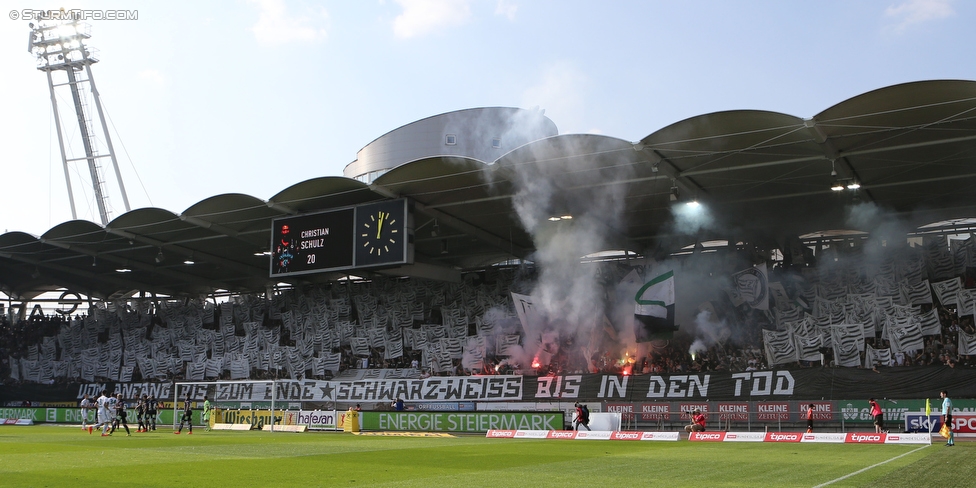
379,227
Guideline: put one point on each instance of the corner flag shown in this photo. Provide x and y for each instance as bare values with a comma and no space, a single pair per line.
654,313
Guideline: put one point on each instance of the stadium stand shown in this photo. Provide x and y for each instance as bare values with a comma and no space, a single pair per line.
907,306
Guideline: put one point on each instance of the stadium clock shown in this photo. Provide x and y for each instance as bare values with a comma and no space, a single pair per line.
381,233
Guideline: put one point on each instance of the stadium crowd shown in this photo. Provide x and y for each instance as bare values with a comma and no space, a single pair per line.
434,328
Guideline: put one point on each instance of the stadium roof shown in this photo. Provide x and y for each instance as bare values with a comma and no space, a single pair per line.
763,175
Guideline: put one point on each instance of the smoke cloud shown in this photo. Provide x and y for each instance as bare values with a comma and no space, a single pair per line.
568,217
567,197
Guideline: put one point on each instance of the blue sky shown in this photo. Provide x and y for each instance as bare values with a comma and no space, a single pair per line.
254,96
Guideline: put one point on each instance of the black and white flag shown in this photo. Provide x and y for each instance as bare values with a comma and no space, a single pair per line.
886,287
359,346
945,291
967,343
331,361
751,285
779,347
807,347
877,357
941,265
833,311
929,323
393,348
781,299
847,341
919,294
786,315
966,303
904,334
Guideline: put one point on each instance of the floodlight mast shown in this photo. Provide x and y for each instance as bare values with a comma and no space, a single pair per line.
59,45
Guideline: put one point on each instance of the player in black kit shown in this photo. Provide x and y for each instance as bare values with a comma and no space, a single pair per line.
151,406
187,416
121,414
141,413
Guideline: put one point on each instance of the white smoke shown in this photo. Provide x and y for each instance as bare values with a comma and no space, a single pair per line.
568,217
709,330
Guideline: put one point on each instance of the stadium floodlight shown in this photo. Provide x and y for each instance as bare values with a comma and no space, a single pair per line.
837,186
60,49
853,185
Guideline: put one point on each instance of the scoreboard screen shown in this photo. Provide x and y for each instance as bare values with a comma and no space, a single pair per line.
369,235
312,243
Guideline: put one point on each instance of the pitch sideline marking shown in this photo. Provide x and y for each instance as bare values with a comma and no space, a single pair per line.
870,467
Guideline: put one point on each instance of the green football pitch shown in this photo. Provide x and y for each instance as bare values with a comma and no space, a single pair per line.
57,456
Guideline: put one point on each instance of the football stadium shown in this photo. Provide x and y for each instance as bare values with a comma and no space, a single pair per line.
747,297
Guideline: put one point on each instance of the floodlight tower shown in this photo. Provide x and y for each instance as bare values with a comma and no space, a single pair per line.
60,47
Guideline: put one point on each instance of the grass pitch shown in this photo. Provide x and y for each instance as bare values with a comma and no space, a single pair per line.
63,456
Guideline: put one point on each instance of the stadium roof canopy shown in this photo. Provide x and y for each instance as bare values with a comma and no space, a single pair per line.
762,175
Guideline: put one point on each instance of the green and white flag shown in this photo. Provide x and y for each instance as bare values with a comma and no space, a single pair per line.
654,312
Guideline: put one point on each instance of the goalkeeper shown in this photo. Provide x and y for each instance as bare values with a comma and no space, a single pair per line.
207,410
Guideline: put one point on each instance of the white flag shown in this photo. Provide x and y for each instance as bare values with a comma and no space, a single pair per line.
527,312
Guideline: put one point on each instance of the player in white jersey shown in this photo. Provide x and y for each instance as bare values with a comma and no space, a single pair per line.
104,416
111,405
86,404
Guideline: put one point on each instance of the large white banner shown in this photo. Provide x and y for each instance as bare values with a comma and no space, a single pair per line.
448,388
